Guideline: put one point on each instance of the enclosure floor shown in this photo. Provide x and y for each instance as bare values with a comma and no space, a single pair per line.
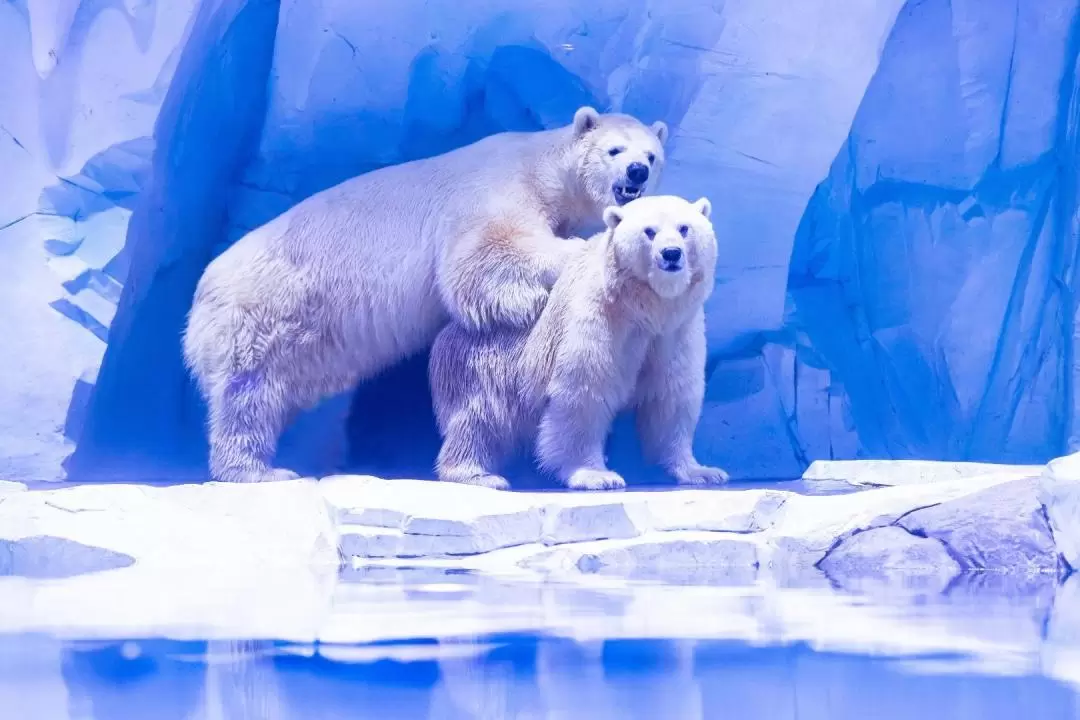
282,559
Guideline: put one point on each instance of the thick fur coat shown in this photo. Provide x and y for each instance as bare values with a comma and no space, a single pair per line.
359,276
624,328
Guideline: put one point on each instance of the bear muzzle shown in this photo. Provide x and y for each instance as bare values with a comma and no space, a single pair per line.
671,259
633,185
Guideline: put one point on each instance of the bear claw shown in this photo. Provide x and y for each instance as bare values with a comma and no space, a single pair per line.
261,476
586,479
495,482
701,475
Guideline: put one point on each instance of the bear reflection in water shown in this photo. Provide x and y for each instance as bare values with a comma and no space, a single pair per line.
497,677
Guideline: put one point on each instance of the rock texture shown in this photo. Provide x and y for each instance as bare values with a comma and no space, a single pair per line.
887,473
109,560
1001,529
1060,495
882,555
357,559
996,520
979,522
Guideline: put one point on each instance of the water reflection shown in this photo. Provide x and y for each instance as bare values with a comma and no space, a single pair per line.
432,645
515,677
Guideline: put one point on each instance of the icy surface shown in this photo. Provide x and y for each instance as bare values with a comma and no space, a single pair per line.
886,473
893,182
888,570
991,523
1061,498
7,487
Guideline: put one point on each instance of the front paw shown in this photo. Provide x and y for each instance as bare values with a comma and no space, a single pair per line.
700,475
586,479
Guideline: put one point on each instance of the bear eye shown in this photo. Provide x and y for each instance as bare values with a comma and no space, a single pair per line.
650,232
615,151
651,157
683,230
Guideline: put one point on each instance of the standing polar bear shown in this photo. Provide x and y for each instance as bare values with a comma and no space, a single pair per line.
359,276
624,327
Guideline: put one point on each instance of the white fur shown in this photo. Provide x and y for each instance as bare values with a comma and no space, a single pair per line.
357,277
618,331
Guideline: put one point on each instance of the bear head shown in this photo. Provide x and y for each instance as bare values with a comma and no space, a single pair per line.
618,158
665,241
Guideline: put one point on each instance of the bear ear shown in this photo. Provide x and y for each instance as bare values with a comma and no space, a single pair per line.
661,130
585,119
613,216
703,206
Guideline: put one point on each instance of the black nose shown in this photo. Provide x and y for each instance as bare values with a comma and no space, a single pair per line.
637,173
671,254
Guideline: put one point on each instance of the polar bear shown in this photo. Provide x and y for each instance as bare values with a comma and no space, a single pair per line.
361,275
624,327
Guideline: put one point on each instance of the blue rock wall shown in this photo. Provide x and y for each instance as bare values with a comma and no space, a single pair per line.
933,272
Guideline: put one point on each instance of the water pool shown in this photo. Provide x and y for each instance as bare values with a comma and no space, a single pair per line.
425,644
504,676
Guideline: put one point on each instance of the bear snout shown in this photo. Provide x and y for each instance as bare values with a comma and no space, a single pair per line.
633,185
671,259
637,173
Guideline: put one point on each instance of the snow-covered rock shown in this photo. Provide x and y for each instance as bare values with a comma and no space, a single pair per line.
810,526
957,566
988,522
889,554
137,557
1060,495
211,525
928,533
1003,528
50,556
884,473
7,487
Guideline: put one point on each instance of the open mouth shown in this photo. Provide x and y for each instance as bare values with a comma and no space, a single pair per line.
670,266
626,193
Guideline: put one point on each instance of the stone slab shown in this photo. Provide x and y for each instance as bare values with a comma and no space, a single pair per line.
986,521
888,473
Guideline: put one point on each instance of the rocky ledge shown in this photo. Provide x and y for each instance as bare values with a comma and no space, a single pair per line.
1003,520
921,523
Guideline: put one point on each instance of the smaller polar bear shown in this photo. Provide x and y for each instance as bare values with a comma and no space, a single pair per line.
624,327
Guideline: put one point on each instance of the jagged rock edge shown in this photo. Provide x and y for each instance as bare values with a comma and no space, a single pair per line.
841,539
1065,570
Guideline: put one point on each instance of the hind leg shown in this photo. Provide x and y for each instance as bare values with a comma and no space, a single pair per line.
470,452
469,377
247,416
